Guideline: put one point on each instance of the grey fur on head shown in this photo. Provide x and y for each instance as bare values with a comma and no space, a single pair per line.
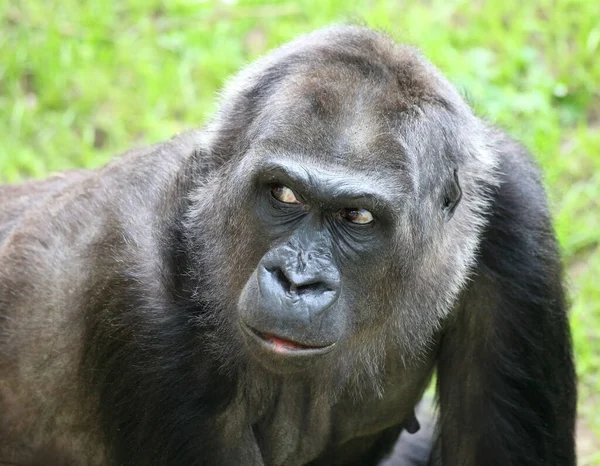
401,96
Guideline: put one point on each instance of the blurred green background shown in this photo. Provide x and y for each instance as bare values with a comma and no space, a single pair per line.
83,80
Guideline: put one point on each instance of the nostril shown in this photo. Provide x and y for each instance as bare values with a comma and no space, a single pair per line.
281,278
300,286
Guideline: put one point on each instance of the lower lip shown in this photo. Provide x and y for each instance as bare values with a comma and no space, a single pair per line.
284,347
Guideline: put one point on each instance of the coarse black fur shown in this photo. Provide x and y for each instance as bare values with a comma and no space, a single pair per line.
126,292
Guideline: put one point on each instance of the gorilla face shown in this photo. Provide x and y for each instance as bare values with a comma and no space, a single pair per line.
339,211
329,197
327,233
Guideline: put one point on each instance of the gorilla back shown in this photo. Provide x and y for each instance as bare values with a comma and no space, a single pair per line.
279,287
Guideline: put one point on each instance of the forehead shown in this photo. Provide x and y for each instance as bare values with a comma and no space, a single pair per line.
309,116
347,109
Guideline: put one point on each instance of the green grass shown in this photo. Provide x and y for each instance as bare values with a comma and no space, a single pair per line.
83,80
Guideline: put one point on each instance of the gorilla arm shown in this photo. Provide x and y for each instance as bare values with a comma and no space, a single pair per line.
506,382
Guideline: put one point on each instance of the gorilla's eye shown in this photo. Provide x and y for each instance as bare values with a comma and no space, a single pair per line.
284,194
358,216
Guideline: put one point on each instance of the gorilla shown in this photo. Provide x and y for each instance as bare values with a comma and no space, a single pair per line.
279,288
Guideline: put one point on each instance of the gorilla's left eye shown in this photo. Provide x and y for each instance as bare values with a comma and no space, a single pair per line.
358,216
284,194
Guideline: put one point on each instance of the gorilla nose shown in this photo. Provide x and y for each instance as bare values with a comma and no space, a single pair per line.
311,291
301,284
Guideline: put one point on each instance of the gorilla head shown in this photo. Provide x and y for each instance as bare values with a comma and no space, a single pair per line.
347,158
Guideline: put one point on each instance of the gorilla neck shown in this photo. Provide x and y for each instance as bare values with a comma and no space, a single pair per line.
295,417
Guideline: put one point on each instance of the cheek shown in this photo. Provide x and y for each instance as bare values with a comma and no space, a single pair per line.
248,304
368,291
244,248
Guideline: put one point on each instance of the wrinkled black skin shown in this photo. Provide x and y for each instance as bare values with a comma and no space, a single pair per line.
172,250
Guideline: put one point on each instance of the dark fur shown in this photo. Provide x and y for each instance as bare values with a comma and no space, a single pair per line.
119,288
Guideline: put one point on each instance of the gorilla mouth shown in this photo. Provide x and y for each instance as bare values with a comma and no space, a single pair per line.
281,345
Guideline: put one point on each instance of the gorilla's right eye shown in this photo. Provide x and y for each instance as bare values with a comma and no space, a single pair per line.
284,194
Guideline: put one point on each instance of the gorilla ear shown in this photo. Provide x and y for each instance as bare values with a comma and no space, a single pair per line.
452,196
